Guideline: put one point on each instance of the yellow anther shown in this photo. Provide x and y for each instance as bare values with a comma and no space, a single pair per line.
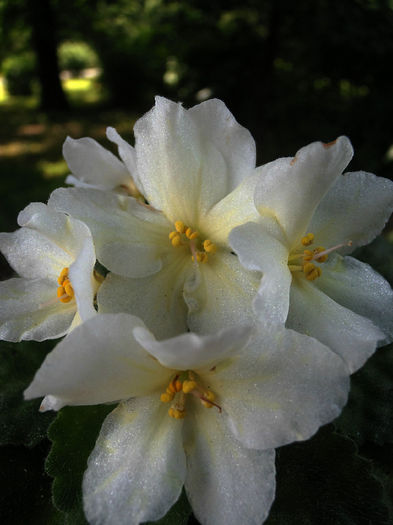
173,234
189,386
166,398
308,239
201,257
60,291
311,271
209,247
308,255
68,288
318,250
180,226
208,396
190,234
176,240
63,276
176,413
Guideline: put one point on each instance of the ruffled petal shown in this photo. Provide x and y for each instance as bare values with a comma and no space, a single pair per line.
127,154
226,483
137,468
93,164
30,310
47,242
98,362
157,299
282,388
220,294
359,288
262,247
192,351
355,209
231,211
130,239
291,189
232,140
182,170
350,335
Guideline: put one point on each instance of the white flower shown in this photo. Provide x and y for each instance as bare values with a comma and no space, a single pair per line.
93,166
310,217
54,255
170,261
230,402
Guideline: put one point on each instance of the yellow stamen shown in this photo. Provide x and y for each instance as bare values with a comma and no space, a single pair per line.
209,247
63,276
166,398
65,292
308,239
188,386
184,235
176,240
176,413
180,226
311,271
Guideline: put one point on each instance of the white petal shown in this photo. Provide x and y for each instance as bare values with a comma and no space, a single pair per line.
261,247
355,209
126,152
98,362
230,138
231,211
359,288
226,483
137,468
282,388
291,189
29,309
181,171
93,164
157,299
221,294
192,351
350,335
47,242
129,238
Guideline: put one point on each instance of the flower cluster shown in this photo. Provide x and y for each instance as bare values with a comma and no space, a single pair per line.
216,301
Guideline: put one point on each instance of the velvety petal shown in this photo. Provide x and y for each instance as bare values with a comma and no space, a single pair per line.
291,189
282,388
98,362
47,242
129,238
262,247
81,275
93,164
221,294
181,171
359,288
226,483
314,313
29,309
192,351
137,468
232,140
231,211
126,152
355,209
156,299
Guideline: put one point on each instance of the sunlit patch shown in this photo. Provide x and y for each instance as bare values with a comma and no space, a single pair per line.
65,292
302,260
180,386
183,235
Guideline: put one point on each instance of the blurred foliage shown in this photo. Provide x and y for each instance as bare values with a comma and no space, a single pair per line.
19,73
77,56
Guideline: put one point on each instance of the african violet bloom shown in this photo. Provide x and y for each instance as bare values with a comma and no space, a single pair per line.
203,411
54,255
196,170
311,216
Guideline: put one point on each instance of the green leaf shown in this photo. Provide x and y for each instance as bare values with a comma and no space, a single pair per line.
25,489
20,421
368,415
323,481
73,434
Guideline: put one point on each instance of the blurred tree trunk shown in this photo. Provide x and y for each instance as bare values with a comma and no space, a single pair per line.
42,22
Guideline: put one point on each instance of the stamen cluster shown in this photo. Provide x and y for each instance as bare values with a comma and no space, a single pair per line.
65,292
183,235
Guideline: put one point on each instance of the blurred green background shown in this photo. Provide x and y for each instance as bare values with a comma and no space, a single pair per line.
291,72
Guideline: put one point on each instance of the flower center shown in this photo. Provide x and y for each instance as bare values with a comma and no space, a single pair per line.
183,235
181,385
302,260
65,292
